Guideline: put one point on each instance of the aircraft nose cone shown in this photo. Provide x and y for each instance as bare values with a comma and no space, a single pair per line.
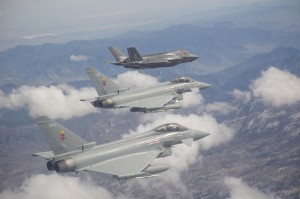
192,57
203,85
200,135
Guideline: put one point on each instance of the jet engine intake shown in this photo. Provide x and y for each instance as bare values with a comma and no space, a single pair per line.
67,165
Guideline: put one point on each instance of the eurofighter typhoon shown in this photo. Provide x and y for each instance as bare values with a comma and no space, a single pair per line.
126,158
136,61
160,97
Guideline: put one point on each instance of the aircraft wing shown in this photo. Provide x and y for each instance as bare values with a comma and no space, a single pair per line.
128,164
157,101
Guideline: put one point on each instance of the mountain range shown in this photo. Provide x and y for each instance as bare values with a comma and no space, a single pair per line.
218,48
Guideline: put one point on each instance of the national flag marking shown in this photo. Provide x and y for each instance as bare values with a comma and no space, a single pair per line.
62,134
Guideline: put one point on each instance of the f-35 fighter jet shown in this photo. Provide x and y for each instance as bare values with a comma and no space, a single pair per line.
136,61
127,158
160,97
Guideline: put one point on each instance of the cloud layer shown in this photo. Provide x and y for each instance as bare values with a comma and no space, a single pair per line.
60,101
239,189
56,186
222,108
244,96
134,79
78,58
277,87
274,87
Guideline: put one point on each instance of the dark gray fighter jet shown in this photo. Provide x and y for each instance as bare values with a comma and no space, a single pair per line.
165,59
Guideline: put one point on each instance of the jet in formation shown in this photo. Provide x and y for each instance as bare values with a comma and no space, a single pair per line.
126,158
136,61
160,97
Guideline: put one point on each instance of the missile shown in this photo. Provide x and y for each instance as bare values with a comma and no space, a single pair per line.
146,173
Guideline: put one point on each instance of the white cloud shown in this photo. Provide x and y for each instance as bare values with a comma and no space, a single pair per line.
78,58
108,14
244,96
239,189
219,107
60,101
134,79
274,87
277,87
192,99
56,186
30,37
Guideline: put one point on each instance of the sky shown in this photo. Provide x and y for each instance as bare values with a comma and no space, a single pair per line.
30,21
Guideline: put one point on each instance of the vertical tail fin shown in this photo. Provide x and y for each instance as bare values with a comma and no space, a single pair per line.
102,84
119,55
134,55
59,138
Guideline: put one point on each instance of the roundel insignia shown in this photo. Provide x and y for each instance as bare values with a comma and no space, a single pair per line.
62,134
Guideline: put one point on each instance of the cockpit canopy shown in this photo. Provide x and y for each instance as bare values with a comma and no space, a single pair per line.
170,127
182,79
184,52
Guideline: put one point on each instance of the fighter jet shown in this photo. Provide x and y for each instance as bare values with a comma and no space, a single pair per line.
160,97
126,158
165,59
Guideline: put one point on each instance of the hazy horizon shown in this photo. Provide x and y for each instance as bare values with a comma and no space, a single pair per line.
36,22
